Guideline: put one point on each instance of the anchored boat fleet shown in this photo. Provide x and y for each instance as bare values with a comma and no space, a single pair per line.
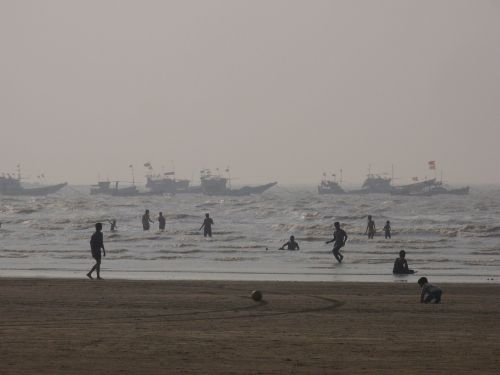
217,184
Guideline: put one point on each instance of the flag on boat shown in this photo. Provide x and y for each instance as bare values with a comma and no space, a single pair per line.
432,164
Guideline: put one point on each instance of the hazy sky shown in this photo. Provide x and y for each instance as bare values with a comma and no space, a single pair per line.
277,90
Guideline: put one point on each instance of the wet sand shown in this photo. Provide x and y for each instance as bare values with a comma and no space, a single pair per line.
55,326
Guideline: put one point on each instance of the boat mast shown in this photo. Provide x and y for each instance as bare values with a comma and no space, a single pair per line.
132,169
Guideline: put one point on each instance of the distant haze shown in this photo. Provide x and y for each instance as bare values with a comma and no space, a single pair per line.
277,90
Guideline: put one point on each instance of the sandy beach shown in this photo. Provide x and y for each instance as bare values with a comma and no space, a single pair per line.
62,326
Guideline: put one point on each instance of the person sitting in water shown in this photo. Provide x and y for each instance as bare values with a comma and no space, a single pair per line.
401,265
429,292
291,245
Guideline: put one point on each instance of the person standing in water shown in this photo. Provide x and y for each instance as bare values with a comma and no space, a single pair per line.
339,240
96,244
370,227
146,220
207,225
161,221
112,222
291,245
387,229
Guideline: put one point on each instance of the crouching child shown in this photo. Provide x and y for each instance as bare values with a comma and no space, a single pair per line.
430,293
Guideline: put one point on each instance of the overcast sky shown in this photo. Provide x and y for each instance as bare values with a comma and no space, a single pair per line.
277,90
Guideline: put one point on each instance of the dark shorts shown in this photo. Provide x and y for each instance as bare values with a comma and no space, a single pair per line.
337,247
96,255
207,232
436,296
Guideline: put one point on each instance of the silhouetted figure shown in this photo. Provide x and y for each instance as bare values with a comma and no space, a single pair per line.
207,225
339,240
112,222
387,229
291,245
96,244
146,220
429,292
370,228
401,265
161,221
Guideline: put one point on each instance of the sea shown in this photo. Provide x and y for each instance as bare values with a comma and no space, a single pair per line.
446,238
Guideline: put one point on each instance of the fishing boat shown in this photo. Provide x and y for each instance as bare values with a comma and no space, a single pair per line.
218,185
374,184
327,186
104,187
416,188
11,185
428,188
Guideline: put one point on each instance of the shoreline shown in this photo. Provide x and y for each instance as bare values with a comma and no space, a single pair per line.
61,326
249,276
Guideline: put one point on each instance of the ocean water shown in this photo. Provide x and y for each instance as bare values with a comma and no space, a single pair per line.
446,238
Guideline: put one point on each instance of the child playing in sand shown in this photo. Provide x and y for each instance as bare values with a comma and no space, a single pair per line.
96,244
429,292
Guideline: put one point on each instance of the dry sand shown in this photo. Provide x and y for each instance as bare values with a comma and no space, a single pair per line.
51,326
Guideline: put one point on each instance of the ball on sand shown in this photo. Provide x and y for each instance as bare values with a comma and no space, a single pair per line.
256,295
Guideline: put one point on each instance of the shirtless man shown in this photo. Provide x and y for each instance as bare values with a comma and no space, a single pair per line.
207,225
291,245
339,240
370,228
146,220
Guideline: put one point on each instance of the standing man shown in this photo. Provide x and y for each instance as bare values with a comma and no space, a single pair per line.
207,225
339,240
161,221
146,220
96,244
370,228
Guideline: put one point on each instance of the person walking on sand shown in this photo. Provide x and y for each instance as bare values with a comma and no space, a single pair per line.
207,225
146,220
161,221
387,229
339,240
96,244
370,227
291,245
